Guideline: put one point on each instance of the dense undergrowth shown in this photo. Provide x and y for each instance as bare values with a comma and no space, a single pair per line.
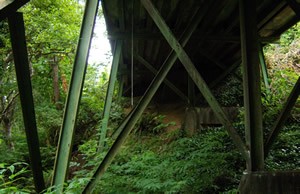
153,159
205,163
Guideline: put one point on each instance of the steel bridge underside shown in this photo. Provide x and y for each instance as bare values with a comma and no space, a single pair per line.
183,47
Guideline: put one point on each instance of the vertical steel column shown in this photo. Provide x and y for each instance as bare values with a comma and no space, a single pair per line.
263,66
109,93
17,33
75,90
127,125
252,87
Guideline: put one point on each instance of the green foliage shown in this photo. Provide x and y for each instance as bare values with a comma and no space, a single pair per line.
52,29
283,68
202,164
230,91
285,153
148,163
152,123
14,178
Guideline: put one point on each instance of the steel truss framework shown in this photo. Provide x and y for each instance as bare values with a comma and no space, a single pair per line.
254,150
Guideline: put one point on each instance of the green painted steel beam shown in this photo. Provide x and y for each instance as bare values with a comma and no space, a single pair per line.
72,104
128,124
110,93
196,77
252,84
166,81
291,101
9,7
18,41
123,124
263,66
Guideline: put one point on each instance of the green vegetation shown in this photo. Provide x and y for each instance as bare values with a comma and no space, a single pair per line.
154,159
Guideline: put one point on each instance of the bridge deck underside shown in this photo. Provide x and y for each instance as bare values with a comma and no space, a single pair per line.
214,46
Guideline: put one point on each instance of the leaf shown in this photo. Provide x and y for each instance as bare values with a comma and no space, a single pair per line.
22,171
11,168
2,165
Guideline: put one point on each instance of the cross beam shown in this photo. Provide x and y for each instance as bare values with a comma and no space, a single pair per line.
166,81
128,124
196,77
125,35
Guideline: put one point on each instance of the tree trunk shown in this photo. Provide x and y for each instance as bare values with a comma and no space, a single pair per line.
55,78
7,118
7,133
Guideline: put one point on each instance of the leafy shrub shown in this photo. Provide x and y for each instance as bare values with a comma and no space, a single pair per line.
152,123
206,163
285,152
15,178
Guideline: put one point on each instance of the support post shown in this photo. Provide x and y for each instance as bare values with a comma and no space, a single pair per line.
72,104
129,123
109,93
263,66
18,41
196,77
252,87
292,99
